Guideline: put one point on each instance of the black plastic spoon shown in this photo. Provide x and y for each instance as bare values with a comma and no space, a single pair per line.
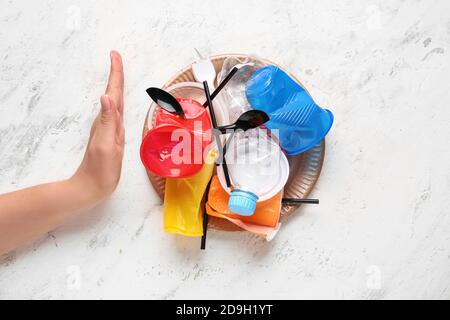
166,101
248,120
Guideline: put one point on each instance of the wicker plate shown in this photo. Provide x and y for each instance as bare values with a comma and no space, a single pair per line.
304,168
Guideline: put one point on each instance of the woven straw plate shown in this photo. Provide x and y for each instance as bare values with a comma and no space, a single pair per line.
304,168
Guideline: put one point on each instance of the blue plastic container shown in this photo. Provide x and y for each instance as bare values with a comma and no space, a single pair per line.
294,116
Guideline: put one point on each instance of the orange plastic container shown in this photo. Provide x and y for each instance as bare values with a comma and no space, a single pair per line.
265,220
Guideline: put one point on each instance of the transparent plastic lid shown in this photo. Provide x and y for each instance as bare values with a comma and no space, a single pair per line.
256,164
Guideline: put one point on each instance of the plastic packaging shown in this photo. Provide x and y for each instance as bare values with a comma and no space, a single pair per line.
257,167
163,152
175,147
265,220
183,200
203,70
198,121
194,91
191,90
233,94
300,122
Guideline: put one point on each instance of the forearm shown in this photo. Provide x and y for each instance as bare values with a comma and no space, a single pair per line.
29,213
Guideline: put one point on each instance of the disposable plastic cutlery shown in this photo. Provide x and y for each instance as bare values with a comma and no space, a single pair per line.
166,101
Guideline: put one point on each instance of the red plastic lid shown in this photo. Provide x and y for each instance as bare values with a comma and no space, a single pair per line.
172,151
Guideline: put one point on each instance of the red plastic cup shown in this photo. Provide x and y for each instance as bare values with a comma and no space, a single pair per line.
197,120
171,151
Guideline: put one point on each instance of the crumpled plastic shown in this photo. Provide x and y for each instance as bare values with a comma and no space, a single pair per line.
183,212
233,94
295,118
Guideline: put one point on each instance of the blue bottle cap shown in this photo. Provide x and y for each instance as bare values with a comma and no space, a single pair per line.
242,202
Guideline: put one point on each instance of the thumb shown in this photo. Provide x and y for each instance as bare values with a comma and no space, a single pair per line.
107,114
107,111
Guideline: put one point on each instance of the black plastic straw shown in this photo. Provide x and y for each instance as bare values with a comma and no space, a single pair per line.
205,218
221,85
299,201
218,141
205,230
225,148
219,146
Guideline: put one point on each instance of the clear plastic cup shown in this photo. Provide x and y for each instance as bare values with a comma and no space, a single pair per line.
233,94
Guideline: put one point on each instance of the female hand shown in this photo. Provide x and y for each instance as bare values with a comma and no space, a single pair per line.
29,213
100,168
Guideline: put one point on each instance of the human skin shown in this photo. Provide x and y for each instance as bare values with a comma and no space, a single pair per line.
29,213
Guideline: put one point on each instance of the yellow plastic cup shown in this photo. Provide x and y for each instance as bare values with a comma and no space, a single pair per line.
183,200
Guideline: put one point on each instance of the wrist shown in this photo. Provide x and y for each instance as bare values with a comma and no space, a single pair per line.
85,190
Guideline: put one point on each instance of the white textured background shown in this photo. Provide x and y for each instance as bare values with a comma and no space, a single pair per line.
382,229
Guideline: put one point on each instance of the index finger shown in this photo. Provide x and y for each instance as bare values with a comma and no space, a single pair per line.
115,81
